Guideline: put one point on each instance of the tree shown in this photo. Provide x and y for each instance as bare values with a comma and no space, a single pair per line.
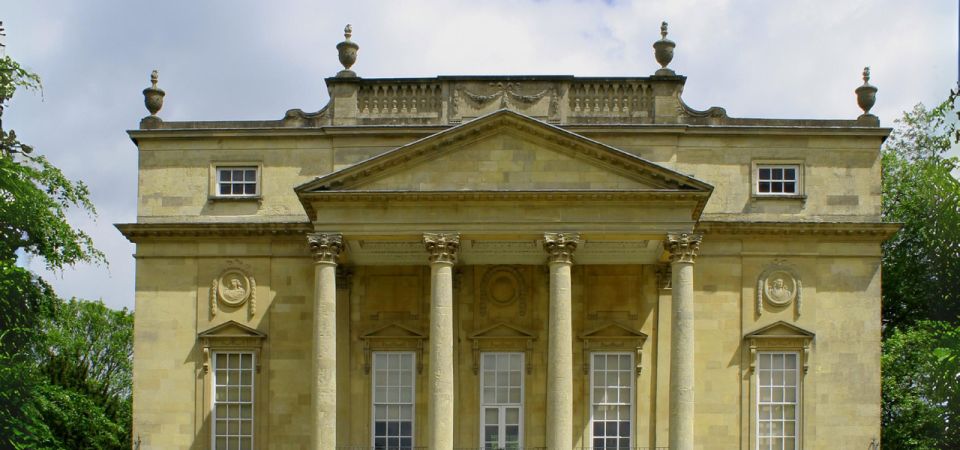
921,294
921,402
921,264
34,199
87,362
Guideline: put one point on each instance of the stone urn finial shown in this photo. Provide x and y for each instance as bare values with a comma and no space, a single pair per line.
663,51
347,52
866,94
153,96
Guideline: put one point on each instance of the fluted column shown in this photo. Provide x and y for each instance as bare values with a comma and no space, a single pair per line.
325,248
683,248
560,248
443,255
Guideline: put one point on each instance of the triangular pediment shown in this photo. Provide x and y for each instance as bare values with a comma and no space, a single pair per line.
614,330
502,330
231,329
505,151
780,329
393,331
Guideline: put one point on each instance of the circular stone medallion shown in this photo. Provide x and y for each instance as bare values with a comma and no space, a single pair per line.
780,288
233,287
502,285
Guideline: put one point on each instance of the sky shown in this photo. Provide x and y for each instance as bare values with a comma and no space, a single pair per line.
253,60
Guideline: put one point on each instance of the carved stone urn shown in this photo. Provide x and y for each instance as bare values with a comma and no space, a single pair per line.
153,96
347,52
663,51
866,94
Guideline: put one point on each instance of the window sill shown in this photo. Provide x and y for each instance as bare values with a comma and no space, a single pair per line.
235,198
800,197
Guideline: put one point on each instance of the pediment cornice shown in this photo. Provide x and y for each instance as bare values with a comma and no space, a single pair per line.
506,121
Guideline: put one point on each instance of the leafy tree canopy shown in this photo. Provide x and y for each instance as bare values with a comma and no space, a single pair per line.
921,272
64,367
921,265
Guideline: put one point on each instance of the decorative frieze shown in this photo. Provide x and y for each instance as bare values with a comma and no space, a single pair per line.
325,247
560,246
442,247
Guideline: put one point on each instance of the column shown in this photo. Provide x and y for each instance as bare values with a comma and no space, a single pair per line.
323,405
443,255
683,248
560,248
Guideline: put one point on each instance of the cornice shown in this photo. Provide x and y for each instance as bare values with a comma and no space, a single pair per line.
138,231
878,231
698,197
618,160
216,130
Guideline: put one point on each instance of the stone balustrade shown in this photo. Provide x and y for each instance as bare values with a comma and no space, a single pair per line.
559,100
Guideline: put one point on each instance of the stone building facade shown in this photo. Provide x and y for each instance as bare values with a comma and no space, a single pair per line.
508,262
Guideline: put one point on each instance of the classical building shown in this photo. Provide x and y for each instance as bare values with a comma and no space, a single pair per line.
508,262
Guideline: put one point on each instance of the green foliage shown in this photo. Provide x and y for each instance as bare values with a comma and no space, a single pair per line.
34,198
920,395
921,265
88,356
64,367
921,283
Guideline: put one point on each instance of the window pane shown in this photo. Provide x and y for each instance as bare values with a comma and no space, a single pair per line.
233,409
237,181
777,385
782,179
612,377
501,400
393,398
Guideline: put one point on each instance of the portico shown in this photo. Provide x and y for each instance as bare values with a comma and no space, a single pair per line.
385,215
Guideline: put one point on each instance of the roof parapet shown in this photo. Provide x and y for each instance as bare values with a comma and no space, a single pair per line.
562,100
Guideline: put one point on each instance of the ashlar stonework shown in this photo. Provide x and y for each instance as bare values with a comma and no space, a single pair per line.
508,262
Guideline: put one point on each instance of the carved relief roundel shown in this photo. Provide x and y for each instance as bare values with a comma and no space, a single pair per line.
233,287
780,288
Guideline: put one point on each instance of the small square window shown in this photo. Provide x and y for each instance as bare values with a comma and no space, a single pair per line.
237,182
777,180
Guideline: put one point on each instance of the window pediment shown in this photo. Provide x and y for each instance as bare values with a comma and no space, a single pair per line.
392,337
502,337
779,335
613,336
230,335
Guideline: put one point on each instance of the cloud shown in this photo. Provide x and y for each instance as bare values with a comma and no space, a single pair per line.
222,60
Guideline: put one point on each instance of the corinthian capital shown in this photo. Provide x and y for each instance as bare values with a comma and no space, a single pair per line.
443,247
325,247
560,246
683,247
